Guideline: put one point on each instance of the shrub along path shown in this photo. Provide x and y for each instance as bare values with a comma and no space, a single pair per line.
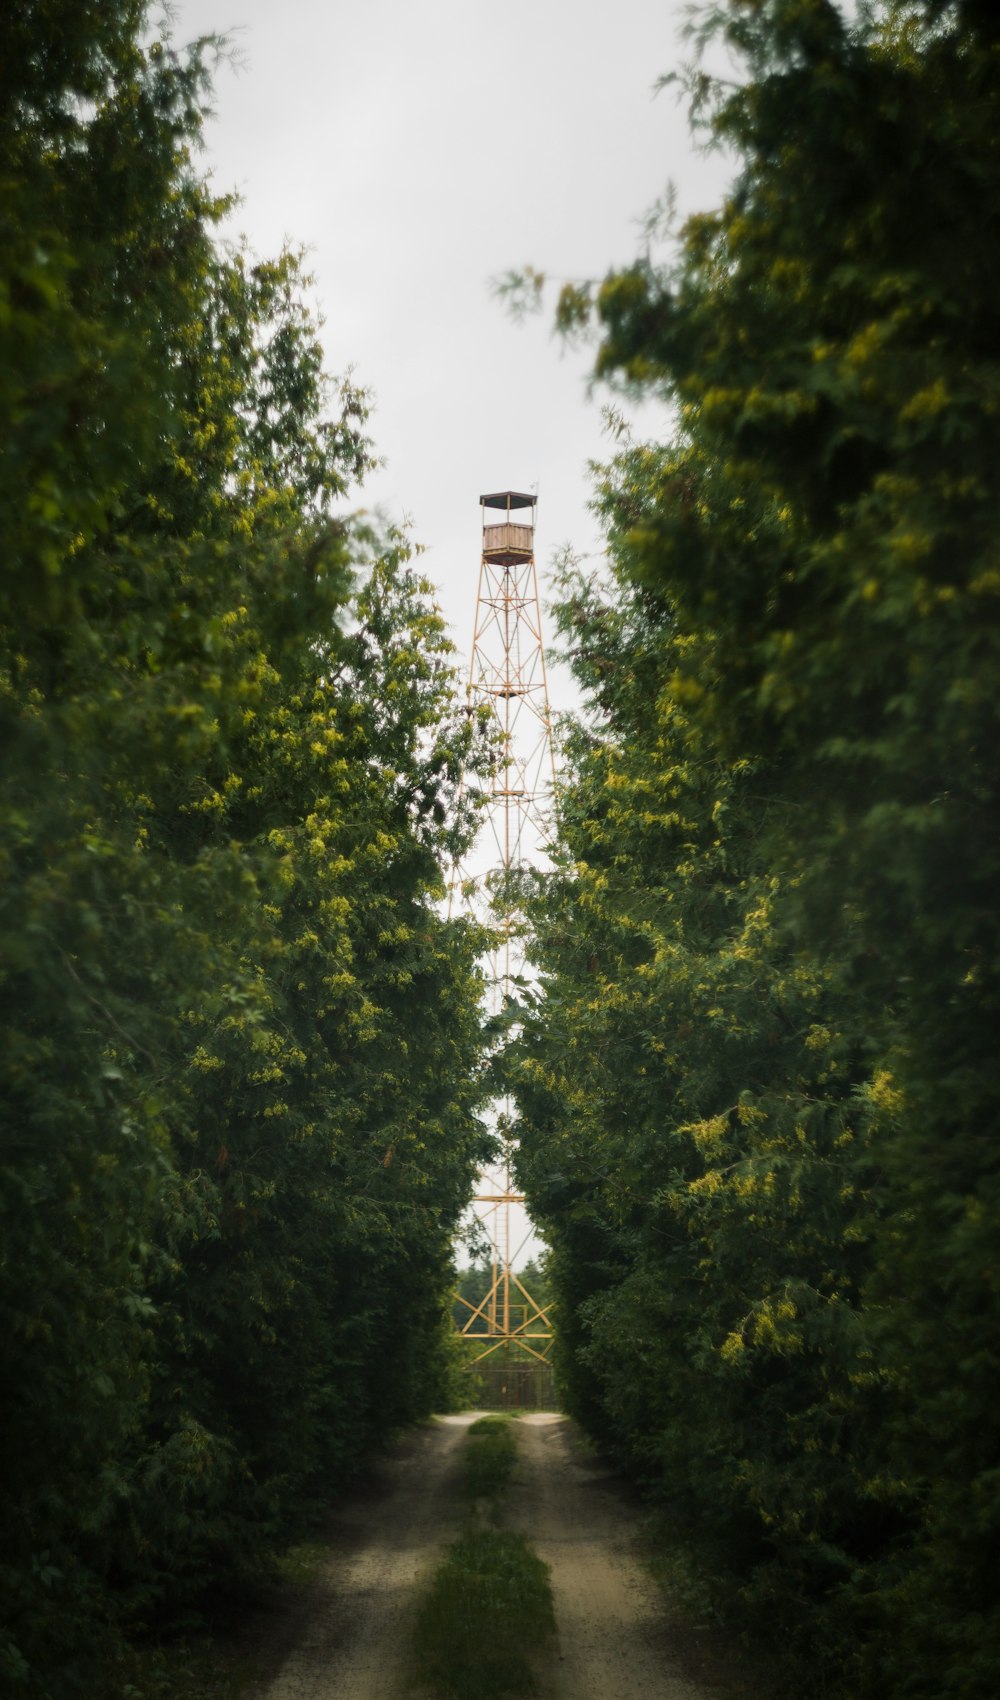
617,1638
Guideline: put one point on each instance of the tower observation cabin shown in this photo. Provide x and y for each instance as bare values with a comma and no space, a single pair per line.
508,527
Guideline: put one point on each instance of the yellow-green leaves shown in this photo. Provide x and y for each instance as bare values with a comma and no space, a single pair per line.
240,1054
758,1090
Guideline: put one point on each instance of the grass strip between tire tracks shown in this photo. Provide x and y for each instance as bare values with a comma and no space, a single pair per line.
490,1454
489,1607
487,1616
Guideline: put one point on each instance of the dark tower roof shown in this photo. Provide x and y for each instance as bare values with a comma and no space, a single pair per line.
506,499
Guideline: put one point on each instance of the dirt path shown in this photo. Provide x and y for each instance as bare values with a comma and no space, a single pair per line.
353,1642
617,1640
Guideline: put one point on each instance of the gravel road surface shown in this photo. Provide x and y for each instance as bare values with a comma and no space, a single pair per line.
353,1642
617,1640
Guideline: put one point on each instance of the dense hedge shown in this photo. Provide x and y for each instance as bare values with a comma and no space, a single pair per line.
240,1043
759,1090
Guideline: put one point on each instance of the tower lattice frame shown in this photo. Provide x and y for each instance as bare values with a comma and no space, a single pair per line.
507,674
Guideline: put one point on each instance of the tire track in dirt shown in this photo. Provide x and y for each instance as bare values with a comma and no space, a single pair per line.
616,1638
354,1639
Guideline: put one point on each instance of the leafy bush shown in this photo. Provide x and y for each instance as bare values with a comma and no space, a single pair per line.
755,1091
240,1044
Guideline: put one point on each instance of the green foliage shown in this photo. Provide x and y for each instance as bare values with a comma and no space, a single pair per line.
757,1093
693,1139
240,1052
487,1617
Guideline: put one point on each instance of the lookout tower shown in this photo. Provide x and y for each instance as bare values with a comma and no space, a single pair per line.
507,674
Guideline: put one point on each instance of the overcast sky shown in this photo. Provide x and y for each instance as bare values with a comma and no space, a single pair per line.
417,149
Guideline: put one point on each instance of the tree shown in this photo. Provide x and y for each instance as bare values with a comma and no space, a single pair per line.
694,1140
240,1055
819,539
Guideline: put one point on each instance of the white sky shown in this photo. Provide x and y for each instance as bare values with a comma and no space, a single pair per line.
418,149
